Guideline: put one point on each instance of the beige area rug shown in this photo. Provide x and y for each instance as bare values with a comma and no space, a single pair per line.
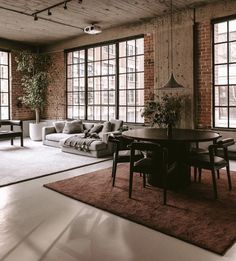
190,215
35,160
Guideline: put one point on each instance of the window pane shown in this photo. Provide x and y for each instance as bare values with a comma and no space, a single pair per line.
232,95
221,74
104,96
97,83
122,82
220,32
105,51
90,54
104,83
140,63
69,112
122,49
131,114
111,112
140,97
69,85
75,98
4,113
82,98
131,64
232,52
81,112
105,67
221,117
140,80
221,53
139,118
112,66
130,48
90,97
232,74
131,97
97,51
4,99
122,65
97,68
90,69
122,113
112,97
232,117
140,46
97,112
232,30
90,113
122,97
104,115
70,98
4,85
112,51
112,83
75,112
97,97
221,96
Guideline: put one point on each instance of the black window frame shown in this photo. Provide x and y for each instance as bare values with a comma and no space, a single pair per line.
214,64
116,75
8,85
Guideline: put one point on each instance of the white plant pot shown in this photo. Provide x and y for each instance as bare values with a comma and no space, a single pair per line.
35,130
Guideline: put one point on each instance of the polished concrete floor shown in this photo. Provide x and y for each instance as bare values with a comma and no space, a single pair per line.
39,224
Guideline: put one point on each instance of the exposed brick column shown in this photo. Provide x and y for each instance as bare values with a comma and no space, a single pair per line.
56,91
204,77
148,66
21,112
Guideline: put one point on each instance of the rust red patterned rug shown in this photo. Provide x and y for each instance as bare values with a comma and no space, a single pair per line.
191,215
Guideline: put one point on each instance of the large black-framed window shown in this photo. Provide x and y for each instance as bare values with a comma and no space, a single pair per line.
106,81
224,73
4,85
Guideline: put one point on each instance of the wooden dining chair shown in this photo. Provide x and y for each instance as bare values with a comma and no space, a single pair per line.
121,153
213,162
155,162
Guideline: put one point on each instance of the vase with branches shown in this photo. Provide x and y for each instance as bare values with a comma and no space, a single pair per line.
164,111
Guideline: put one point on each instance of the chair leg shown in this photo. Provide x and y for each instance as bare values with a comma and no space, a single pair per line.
130,183
195,174
199,175
218,174
144,180
12,142
114,167
214,183
229,178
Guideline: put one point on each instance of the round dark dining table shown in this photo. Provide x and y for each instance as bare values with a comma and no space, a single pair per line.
178,145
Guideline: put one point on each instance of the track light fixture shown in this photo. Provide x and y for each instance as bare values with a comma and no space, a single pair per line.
49,8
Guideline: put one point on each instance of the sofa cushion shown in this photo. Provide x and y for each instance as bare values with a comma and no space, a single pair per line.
116,124
88,125
75,126
59,126
57,136
96,128
106,128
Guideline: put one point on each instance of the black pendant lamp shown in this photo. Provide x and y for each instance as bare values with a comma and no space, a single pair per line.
172,83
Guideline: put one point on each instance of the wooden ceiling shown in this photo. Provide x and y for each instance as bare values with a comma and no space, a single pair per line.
17,23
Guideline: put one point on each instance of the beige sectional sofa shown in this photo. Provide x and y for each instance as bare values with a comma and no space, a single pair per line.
56,136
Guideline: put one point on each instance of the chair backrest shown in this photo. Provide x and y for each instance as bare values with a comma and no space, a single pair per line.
121,142
158,154
221,144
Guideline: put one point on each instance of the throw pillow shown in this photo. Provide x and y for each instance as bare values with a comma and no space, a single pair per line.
96,128
106,128
59,126
116,124
73,127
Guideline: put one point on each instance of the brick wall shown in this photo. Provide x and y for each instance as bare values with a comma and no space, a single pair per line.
148,66
204,77
18,112
56,91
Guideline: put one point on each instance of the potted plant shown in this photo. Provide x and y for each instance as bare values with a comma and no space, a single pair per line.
35,80
164,111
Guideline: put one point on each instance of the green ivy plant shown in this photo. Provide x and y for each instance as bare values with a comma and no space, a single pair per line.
164,111
35,79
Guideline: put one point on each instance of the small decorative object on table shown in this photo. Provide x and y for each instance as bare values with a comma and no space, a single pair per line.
164,111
